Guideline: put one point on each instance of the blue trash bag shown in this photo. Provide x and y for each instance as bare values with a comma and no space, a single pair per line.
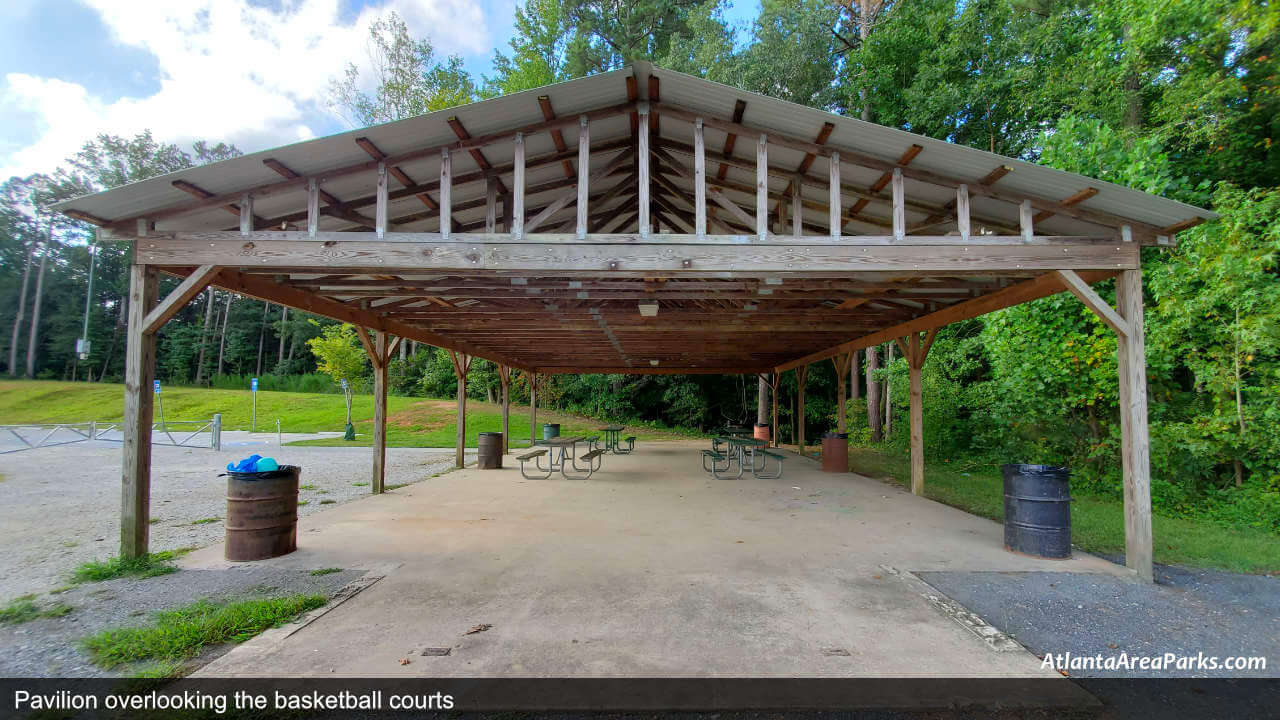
247,465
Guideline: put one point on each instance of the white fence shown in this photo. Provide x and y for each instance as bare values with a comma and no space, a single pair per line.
178,433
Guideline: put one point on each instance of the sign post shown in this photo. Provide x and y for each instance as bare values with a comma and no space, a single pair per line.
253,423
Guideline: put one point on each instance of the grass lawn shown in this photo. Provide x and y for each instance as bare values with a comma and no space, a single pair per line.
411,422
1097,524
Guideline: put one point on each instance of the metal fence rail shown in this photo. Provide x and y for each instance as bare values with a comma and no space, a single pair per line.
178,433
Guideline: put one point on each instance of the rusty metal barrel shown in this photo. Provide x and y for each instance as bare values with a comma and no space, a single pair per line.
489,451
835,452
262,514
762,431
1037,510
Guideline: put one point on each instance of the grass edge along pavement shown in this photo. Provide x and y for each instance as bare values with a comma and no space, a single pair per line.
412,421
182,633
145,566
1097,523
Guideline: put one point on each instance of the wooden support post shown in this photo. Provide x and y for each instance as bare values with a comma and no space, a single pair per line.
642,169
762,188
246,214
1026,221
584,172
773,429
504,378
491,206
834,202
899,207
461,365
446,194
507,209
380,212
313,206
533,408
841,363
515,220
797,211
139,373
699,180
962,211
915,362
802,373
1135,448
380,357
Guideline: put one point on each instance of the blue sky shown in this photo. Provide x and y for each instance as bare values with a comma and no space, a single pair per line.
252,72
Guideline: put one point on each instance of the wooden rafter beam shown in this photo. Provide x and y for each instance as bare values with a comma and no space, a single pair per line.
557,135
883,181
373,151
731,139
263,289
478,155
1043,286
335,206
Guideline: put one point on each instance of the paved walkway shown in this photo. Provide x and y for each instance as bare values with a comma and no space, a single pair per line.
650,568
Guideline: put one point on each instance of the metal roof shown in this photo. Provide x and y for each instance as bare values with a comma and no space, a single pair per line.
315,157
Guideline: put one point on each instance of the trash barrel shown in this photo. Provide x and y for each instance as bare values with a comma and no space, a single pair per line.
835,452
1037,510
762,431
262,514
550,430
489,451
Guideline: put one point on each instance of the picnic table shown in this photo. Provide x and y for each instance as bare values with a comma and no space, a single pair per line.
741,450
613,440
561,453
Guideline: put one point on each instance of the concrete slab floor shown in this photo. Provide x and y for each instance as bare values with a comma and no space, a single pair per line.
649,569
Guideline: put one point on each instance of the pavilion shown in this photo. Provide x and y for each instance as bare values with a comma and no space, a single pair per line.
636,221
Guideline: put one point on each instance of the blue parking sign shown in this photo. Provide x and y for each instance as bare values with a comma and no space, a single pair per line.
156,385
253,385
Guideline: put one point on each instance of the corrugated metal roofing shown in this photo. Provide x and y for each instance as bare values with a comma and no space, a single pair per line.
315,157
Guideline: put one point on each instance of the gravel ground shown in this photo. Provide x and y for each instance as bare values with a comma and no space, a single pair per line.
49,647
1186,612
61,505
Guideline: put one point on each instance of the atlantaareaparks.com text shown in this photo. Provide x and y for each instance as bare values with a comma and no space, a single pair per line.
1168,661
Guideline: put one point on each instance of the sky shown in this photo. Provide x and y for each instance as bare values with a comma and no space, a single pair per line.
255,73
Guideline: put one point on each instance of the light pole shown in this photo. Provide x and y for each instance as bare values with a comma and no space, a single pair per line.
82,345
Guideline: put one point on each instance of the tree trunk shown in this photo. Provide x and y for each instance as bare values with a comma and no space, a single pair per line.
222,344
204,336
864,31
22,311
284,317
762,402
873,395
853,374
33,340
888,392
262,333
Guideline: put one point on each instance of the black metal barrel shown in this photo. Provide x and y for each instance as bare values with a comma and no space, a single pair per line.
262,514
1037,510
489,451
550,430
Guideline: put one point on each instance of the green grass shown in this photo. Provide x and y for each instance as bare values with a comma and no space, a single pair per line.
205,521
160,563
412,422
24,609
1097,523
326,571
182,633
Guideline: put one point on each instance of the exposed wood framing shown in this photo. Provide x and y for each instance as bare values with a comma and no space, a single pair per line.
461,366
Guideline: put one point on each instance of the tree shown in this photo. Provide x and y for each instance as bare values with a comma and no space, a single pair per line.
407,79
340,355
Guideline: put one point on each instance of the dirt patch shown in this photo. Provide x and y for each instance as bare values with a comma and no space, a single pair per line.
423,415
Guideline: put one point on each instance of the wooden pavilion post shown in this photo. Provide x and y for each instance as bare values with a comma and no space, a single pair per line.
802,373
1135,442
916,349
379,415
841,363
461,365
533,408
139,373
379,349
504,377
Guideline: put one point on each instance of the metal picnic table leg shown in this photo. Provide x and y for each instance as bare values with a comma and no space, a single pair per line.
564,466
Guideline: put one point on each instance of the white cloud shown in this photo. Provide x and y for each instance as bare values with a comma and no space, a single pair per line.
230,71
